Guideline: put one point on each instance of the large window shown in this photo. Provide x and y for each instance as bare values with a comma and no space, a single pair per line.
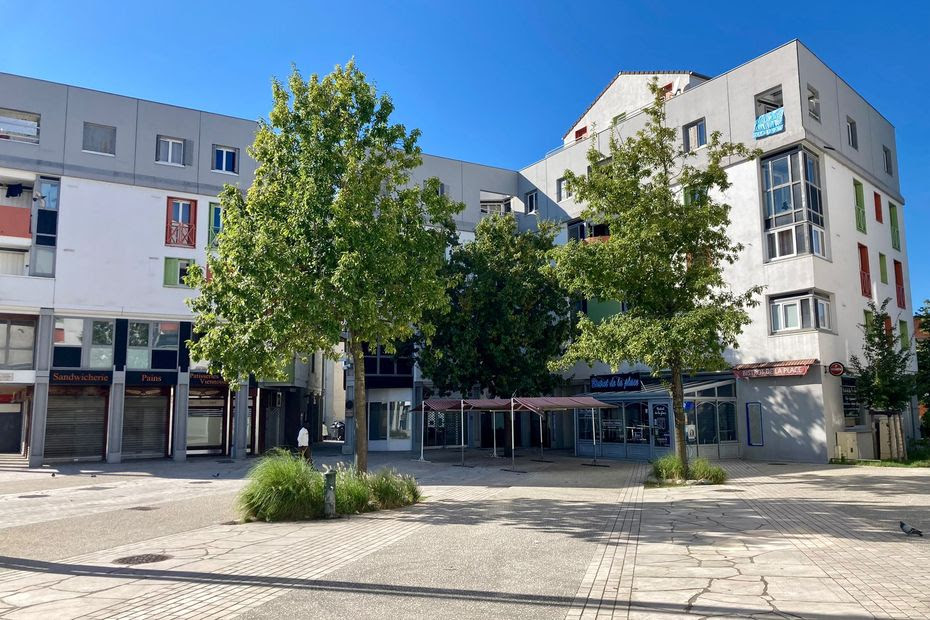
100,139
793,205
694,135
74,349
216,223
101,345
390,420
181,223
19,126
808,311
153,345
225,159
169,151
17,343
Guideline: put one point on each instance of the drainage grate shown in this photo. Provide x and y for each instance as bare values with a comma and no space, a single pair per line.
201,481
37,496
94,488
145,558
143,508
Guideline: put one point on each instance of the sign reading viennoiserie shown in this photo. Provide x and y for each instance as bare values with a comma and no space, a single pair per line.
81,377
204,379
626,382
151,377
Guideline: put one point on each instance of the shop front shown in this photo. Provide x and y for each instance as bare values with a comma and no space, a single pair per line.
14,403
76,418
147,408
208,411
390,423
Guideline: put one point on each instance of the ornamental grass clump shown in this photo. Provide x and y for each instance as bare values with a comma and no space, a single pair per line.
353,491
282,487
669,469
702,469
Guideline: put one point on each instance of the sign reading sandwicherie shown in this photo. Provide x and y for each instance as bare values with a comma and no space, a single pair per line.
81,377
151,377
626,382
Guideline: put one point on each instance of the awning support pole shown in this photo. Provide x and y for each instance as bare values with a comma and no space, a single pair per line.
541,435
422,428
594,435
513,464
494,432
462,428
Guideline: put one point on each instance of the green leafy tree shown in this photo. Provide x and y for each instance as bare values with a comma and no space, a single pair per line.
664,257
922,378
508,316
331,243
884,382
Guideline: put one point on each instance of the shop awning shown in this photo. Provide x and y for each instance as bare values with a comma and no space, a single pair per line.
534,404
786,368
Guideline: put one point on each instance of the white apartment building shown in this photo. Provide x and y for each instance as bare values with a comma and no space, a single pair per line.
104,201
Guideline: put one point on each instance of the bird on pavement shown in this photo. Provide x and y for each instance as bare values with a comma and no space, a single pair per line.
910,531
216,475
53,474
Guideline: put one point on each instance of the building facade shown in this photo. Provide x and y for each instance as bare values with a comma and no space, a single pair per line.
106,200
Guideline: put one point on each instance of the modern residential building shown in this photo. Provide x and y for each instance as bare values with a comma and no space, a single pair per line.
105,201
100,196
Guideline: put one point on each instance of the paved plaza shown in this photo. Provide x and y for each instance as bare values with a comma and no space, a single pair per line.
560,540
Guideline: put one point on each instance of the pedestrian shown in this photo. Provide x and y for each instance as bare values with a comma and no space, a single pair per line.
303,442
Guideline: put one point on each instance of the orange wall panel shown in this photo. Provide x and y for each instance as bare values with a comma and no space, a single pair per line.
14,222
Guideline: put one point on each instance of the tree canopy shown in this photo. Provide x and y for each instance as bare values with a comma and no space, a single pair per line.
884,382
664,257
508,315
331,242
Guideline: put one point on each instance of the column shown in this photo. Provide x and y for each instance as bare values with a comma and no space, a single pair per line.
179,436
240,420
43,358
115,417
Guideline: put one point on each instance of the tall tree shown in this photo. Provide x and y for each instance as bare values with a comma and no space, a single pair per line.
884,384
922,378
332,242
664,257
508,316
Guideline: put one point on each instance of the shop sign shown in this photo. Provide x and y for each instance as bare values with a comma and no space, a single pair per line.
81,377
771,371
151,377
626,382
203,379
661,437
836,369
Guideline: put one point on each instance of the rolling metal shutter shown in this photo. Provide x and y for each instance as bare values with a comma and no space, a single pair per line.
75,427
145,426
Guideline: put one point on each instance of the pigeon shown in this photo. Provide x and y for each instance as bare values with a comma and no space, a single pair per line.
53,474
216,475
910,531
93,475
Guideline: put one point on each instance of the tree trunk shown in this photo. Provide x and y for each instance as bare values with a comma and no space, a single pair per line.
361,407
899,434
678,406
890,431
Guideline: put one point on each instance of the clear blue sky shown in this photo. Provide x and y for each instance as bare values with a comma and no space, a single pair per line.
496,82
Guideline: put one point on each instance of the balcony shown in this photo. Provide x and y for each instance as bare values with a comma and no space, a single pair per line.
181,234
865,281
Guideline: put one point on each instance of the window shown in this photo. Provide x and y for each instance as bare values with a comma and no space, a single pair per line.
19,126
904,335
868,318
562,190
170,151
813,103
101,345
225,159
99,139
878,207
860,206
769,101
899,284
852,134
793,205
865,276
581,133
138,352
176,270
754,424
442,189
46,228
883,267
216,223
577,230
893,221
152,345
886,159
695,135
810,311
619,118
530,201
17,343
181,223
495,206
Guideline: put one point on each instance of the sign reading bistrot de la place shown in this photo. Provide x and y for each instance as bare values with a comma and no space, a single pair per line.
626,382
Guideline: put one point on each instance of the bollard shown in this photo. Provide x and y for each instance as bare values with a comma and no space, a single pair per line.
329,494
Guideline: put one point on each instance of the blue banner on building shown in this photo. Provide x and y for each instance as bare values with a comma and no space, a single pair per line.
770,123
616,383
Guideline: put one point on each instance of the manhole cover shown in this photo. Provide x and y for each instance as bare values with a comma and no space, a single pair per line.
145,558
94,488
32,496
143,508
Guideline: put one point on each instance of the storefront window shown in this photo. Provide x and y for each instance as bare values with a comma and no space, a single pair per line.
377,421
612,425
166,335
69,331
707,422
101,345
584,425
205,414
400,420
637,422
726,413
138,353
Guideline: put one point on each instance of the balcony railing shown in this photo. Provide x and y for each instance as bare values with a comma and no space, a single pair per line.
179,233
865,281
901,300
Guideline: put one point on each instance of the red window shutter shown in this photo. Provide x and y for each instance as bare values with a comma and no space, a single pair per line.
581,133
899,284
888,325
878,207
168,220
865,276
194,223
209,274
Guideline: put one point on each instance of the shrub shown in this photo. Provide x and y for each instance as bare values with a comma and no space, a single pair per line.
702,469
353,493
668,467
414,494
282,486
388,489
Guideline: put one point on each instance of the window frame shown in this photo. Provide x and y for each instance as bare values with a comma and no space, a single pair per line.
806,217
171,141
178,233
562,192
153,330
176,271
87,344
852,133
214,229
7,323
886,160
894,226
15,136
813,103
700,125
84,148
531,197
815,301
226,151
